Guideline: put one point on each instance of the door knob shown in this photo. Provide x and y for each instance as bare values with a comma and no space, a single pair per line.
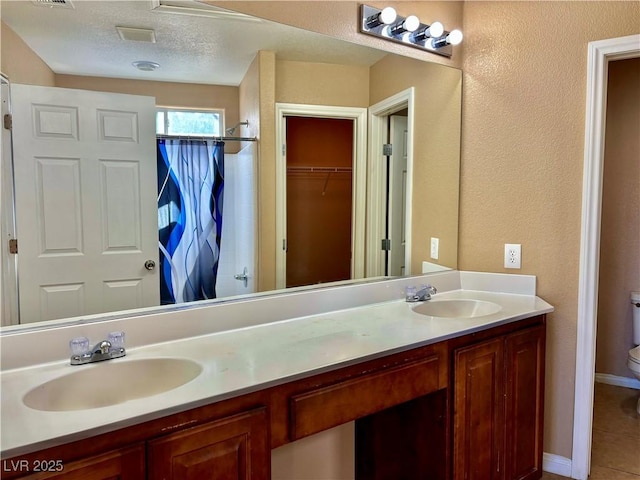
149,264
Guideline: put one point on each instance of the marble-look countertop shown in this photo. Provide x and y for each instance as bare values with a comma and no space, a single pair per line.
244,360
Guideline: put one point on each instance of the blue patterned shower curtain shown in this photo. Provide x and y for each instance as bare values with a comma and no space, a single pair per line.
190,187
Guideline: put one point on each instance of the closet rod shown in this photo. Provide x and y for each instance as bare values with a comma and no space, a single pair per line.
320,169
216,139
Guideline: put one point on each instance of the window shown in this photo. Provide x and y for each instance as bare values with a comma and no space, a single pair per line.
197,123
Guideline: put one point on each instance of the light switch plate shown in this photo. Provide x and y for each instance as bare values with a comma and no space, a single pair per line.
435,247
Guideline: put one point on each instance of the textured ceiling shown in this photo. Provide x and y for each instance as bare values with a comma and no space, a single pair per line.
192,45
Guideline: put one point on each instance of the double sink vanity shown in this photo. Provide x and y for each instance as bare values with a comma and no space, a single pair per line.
452,387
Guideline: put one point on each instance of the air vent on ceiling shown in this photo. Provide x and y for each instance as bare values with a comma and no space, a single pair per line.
137,34
53,3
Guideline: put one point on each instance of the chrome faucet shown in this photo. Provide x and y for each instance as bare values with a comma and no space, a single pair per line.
421,295
103,350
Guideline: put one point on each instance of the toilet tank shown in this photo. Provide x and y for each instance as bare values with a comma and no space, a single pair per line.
635,300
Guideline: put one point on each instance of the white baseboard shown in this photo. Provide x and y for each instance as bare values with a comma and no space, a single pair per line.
556,464
618,381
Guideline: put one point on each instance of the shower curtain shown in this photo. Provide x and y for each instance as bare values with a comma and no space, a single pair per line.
190,188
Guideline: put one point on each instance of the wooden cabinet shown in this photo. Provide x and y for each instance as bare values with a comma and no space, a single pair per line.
232,447
123,464
524,403
236,448
356,398
498,407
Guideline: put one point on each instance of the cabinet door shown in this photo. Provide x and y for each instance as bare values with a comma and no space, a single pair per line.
235,448
524,364
123,464
478,429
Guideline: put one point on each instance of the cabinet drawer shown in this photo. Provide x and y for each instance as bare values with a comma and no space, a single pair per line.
326,407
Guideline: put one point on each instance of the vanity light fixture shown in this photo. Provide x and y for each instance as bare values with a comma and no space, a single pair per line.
387,24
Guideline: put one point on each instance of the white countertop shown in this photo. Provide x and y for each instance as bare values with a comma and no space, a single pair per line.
243,360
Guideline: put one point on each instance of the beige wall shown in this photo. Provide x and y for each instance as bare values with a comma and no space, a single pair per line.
436,150
267,172
620,237
19,63
322,84
522,158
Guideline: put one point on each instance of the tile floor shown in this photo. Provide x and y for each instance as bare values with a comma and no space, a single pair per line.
615,451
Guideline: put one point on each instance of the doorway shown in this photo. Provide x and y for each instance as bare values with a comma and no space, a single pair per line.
390,180
396,194
600,53
328,177
319,160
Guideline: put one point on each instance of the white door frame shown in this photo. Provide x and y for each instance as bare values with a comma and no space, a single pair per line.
377,174
600,53
9,307
359,116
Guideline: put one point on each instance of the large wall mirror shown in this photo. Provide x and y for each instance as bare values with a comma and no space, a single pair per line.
289,97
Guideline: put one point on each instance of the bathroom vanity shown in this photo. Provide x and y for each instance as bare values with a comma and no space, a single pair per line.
431,397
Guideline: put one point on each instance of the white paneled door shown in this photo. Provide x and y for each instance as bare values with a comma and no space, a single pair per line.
86,201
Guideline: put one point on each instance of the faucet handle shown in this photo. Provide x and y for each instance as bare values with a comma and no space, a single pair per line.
116,339
410,293
79,346
429,288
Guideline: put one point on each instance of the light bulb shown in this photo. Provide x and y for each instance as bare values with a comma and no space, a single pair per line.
455,37
409,24
387,16
435,30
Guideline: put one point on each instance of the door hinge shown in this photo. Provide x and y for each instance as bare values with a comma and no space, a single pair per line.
387,149
386,244
8,121
284,244
13,246
284,149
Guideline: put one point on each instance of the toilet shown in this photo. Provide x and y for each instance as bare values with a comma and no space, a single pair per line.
633,361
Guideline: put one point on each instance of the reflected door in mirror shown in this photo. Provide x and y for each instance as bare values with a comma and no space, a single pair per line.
86,217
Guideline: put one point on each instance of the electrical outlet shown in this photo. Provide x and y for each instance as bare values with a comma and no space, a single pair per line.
435,246
512,255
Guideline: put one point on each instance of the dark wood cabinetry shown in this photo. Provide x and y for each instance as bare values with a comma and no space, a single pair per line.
498,396
236,447
478,431
470,408
524,409
123,464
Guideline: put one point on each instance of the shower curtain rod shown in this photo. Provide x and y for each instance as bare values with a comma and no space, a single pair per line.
216,139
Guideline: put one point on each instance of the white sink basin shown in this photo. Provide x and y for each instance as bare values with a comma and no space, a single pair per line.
457,308
110,383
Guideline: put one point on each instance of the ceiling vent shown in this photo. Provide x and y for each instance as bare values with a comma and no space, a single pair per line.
137,34
53,3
